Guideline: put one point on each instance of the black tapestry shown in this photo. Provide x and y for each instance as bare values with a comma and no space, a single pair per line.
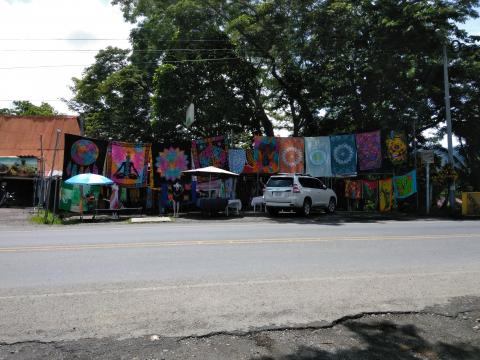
83,155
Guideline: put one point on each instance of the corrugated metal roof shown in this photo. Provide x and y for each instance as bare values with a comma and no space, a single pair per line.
20,136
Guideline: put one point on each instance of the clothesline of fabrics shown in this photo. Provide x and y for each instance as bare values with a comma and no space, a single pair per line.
383,191
128,164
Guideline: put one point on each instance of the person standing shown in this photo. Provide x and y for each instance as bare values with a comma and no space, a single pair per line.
177,197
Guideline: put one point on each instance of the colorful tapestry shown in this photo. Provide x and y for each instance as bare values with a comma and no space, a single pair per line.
291,151
405,185
210,152
318,157
71,198
370,194
83,155
129,164
237,159
169,162
265,154
385,194
369,150
397,147
353,189
251,166
344,155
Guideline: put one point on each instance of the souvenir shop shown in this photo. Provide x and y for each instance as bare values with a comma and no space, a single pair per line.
367,174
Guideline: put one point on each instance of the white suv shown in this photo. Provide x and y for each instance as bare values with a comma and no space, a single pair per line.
297,192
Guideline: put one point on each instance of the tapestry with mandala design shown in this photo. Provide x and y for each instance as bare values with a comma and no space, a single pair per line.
169,161
210,152
344,155
317,156
291,151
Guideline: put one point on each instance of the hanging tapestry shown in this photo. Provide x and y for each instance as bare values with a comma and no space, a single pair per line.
397,147
83,155
169,162
266,154
344,155
251,166
370,194
353,189
291,151
71,197
385,194
405,185
317,156
210,152
237,160
369,150
129,163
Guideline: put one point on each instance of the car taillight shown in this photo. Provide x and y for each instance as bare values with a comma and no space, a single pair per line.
296,189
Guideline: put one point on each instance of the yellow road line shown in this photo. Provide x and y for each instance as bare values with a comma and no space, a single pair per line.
105,246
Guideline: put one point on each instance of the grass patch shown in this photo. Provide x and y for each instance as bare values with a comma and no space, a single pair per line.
51,219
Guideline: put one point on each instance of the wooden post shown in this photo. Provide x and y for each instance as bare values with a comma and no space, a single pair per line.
51,176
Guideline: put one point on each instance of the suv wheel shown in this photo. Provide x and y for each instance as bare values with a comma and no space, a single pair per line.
307,207
331,206
272,211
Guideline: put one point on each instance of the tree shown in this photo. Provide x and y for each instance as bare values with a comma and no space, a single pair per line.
26,108
322,67
114,98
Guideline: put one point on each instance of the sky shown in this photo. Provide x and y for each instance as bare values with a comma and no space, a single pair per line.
40,66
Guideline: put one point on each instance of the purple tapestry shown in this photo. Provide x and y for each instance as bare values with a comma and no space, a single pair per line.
369,150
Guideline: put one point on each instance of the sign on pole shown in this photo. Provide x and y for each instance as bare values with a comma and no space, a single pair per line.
190,118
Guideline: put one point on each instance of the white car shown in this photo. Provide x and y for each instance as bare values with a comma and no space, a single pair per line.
297,192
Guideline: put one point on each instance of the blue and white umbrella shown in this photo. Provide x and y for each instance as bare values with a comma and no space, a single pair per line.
89,179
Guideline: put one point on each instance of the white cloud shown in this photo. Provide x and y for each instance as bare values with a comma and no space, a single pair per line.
53,19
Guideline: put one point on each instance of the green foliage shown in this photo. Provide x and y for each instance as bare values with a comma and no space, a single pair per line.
26,108
51,219
316,67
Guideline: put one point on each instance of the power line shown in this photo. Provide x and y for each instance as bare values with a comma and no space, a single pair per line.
31,100
84,65
39,67
63,39
96,50
110,39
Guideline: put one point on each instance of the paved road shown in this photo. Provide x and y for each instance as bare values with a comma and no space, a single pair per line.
74,282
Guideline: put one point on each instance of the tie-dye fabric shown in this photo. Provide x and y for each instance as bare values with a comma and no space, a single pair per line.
405,185
385,188
169,161
265,154
291,151
353,189
397,147
237,160
369,150
210,152
129,164
344,155
83,155
370,194
318,156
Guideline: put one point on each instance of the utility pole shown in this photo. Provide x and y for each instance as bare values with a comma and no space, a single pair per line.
51,176
451,188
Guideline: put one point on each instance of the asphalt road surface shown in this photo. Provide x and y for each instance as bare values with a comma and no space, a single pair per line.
197,278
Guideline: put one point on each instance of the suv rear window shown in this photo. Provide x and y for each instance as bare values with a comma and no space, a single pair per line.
280,182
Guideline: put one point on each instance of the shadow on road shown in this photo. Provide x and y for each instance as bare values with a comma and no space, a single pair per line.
384,340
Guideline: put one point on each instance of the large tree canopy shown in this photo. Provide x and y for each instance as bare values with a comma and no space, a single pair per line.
315,67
